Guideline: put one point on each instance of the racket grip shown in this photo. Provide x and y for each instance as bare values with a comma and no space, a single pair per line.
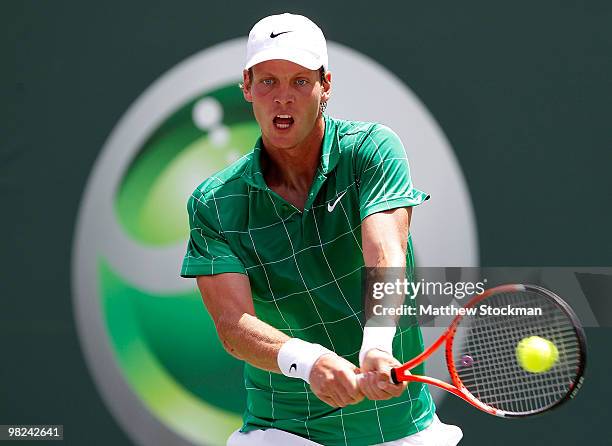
394,379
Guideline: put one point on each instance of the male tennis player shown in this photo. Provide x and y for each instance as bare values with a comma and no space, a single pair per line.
278,242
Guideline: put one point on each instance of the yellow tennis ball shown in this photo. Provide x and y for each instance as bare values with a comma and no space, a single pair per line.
536,354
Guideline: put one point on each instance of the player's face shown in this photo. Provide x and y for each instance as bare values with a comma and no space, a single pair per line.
286,101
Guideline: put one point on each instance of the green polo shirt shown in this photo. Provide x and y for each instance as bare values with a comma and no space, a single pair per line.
304,268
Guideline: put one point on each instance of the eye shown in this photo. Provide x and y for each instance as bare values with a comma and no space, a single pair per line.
301,82
267,82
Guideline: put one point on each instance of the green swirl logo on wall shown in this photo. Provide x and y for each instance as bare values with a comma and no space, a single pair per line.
148,341
167,342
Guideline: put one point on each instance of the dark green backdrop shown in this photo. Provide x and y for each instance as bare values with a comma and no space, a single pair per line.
521,89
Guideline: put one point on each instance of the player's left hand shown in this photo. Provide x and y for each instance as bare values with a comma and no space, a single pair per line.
376,382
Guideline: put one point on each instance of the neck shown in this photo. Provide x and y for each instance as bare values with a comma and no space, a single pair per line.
294,168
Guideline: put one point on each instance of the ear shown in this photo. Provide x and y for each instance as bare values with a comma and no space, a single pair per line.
246,86
327,87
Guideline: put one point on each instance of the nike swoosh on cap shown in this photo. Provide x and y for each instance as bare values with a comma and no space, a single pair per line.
272,35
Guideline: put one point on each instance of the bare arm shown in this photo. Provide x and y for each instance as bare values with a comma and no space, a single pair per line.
230,303
384,237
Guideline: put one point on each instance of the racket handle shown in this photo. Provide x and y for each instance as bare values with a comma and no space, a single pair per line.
392,378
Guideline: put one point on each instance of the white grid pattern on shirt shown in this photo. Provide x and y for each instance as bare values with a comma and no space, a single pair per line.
385,198
309,295
269,286
331,270
376,408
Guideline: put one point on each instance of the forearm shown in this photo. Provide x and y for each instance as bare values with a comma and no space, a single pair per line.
227,298
251,340
385,237
267,348
386,255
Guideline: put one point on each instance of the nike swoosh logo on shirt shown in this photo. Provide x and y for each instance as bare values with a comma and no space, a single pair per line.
331,207
272,35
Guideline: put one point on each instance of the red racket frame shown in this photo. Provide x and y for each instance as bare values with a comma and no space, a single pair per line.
400,374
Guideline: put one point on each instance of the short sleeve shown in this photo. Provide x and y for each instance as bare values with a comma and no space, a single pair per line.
383,174
208,252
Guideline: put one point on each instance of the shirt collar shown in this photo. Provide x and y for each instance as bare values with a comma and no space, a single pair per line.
330,153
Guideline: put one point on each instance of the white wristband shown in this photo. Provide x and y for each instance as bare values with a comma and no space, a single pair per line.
296,358
380,338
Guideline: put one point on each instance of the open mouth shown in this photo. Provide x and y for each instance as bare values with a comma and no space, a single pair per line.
283,122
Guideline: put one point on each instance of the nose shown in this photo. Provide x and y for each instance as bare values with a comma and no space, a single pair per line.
284,96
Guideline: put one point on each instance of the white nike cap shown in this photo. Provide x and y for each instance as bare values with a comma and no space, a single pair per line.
288,37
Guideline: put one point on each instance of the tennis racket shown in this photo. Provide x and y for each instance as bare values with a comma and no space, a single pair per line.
483,365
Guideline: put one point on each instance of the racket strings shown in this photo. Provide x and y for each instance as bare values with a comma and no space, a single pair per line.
486,361
530,387
497,364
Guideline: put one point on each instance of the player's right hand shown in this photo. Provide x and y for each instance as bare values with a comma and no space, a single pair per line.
333,380
375,383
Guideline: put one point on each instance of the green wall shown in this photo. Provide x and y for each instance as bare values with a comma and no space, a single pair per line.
522,91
